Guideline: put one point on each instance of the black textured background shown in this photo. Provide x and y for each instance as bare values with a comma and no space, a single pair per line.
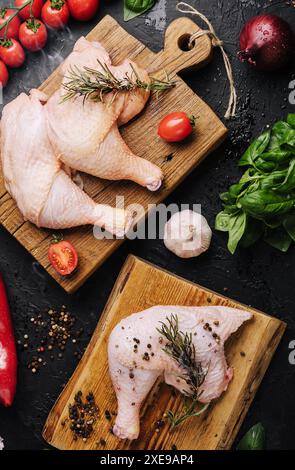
259,276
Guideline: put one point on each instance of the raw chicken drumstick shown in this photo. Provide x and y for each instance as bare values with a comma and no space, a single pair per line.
137,357
85,134
44,193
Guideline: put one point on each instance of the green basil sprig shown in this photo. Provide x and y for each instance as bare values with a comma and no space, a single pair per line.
262,203
254,439
133,8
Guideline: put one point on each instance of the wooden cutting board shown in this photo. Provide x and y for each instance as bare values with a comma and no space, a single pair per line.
176,161
141,285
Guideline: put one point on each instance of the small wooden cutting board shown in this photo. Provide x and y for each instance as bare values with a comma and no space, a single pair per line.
141,285
176,161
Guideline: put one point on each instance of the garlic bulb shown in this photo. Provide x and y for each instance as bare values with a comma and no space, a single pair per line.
187,234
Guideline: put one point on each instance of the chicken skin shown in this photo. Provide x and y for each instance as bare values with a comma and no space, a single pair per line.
34,177
137,357
84,133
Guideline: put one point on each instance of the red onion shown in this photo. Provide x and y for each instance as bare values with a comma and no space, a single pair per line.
267,42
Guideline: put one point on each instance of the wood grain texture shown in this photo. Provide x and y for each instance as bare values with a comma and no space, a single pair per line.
140,135
141,285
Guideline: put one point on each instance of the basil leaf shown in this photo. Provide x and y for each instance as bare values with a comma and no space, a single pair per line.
254,439
282,134
256,148
237,226
278,238
231,209
134,8
265,166
274,222
264,203
289,225
291,120
253,232
273,180
227,198
236,189
277,155
248,175
289,182
222,221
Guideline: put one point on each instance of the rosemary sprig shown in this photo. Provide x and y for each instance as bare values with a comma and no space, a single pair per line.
92,83
189,412
181,349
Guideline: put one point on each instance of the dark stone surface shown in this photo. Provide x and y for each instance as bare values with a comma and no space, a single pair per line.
259,276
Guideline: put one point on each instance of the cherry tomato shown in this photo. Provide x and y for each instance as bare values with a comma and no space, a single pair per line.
33,35
4,77
176,127
25,14
55,13
13,26
63,257
12,53
83,10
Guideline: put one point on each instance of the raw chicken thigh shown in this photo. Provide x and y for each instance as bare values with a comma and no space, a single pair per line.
44,193
43,142
85,134
136,338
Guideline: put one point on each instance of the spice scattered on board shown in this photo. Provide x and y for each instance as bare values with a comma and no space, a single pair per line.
54,331
83,415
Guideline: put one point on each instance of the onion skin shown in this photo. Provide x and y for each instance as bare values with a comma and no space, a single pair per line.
267,42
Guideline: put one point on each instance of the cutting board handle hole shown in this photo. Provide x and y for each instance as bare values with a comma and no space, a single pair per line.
184,42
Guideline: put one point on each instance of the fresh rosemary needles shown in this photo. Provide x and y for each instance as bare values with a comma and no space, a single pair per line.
181,349
92,83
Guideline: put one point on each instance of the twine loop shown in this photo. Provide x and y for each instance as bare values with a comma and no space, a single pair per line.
183,7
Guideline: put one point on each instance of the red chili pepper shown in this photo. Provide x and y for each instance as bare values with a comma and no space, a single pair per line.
8,358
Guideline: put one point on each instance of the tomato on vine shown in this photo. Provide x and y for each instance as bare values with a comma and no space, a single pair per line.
29,11
11,31
4,77
12,53
55,13
83,10
33,34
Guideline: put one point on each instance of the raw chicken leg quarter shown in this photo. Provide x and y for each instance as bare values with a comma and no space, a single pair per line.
137,357
44,193
85,134
43,140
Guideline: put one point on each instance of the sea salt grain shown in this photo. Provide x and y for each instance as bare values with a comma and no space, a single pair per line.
1,443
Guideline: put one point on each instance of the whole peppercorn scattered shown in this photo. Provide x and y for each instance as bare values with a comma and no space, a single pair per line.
54,330
146,356
83,415
108,415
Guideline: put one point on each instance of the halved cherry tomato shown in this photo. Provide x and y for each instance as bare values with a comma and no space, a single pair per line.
12,53
4,77
55,13
33,34
13,25
63,257
176,127
25,13
83,10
